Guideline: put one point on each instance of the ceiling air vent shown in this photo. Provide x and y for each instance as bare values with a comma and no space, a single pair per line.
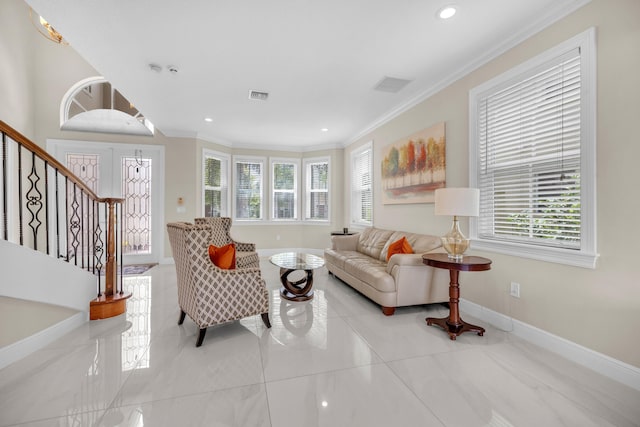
257,95
391,84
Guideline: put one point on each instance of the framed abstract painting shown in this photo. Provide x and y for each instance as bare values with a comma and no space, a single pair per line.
414,167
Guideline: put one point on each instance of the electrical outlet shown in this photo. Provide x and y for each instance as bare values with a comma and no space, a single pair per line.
277,237
515,290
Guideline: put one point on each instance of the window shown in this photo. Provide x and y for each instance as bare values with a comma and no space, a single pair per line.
249,178
362,185
215,188
532,155
284,189
316,189
85,103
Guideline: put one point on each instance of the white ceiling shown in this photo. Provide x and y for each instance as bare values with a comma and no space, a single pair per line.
319,60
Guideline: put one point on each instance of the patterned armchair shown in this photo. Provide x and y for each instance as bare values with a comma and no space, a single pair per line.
246,255
208,294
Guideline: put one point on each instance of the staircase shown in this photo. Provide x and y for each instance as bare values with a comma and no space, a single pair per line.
60,244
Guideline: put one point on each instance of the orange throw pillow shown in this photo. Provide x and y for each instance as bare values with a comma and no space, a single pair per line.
223,257
401,246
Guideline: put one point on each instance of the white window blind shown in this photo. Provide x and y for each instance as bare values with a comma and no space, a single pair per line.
284,190
248,197
532,154
215,186
361,184
317,190
529,151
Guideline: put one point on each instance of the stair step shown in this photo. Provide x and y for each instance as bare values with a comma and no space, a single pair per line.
20,318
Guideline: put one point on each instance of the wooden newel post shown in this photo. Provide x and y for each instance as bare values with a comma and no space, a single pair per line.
112,262
110,303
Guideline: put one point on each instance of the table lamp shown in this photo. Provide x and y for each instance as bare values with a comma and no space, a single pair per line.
456,202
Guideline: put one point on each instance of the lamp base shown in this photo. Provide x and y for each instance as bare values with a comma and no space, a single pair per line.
454,242
455,257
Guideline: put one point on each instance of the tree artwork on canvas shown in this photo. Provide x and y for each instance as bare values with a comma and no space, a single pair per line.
414,167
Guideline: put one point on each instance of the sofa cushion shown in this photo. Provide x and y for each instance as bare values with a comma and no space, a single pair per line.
345,243
339,258
420,243
400,246
372,240
372,272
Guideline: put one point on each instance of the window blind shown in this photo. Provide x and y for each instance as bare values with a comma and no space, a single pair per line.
317,191
248,190
215,187
529,156
284,191
362,194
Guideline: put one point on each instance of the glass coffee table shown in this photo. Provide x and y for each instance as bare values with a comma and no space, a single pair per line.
300,290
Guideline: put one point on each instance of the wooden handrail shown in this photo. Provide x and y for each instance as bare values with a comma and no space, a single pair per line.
81,217
26,142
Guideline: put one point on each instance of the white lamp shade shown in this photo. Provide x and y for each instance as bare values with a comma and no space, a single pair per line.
457,201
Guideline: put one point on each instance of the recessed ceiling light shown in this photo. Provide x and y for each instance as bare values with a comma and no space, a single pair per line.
325,129
208,119
447,12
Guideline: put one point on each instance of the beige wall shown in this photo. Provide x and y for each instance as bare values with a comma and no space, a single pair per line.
599,308
17,101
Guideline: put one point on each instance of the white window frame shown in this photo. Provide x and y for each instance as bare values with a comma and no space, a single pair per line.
296,187
225,160
308,190
356,205
586,255
249,159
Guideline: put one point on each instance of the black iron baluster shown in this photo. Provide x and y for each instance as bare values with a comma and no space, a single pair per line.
66,217
46,203
82,226
57,203
75,224
34,201
20,225
120,213
4,185
98,248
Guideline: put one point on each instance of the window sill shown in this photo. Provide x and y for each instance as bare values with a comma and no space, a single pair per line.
241,222
573,258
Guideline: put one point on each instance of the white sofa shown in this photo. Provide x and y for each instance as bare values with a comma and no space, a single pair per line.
360,260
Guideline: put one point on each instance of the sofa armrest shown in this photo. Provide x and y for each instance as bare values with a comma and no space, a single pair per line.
403,259
345,243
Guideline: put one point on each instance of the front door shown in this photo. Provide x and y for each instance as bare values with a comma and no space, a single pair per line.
133,173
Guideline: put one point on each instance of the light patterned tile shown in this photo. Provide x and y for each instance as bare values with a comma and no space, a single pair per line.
365,396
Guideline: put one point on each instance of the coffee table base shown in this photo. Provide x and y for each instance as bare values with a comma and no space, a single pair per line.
453,328
300,290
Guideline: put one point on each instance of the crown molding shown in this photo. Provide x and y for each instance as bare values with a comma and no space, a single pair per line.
552,16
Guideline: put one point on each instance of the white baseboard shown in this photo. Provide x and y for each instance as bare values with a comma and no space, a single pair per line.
601,363
16,351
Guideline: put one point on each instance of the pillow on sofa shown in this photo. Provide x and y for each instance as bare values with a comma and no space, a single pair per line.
224,256
401,246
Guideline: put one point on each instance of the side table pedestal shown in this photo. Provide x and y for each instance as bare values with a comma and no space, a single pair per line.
453,324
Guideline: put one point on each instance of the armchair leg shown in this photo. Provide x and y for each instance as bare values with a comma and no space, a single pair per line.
201,336
265,319
182,315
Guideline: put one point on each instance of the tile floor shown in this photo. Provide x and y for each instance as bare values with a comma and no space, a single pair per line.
335,361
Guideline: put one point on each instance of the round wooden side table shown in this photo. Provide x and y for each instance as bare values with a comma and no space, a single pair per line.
453,324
